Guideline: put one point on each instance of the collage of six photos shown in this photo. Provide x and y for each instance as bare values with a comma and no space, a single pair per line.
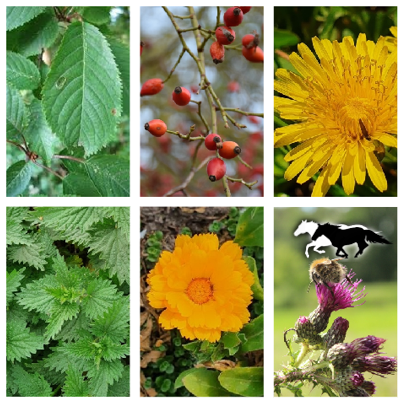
72,286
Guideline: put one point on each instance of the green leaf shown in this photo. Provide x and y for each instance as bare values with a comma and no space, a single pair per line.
16,233
122,58
35,297
31,384
18,178
21,72
81,95
113,247
103,375
60,313
33,254
178,381
256,287
96,15
246,382
121,387
204,383
16,113
38,134
74,385
80,185
109,174
13,283
17,16
250,228
21,343
230,340
254,334
31,38
284,38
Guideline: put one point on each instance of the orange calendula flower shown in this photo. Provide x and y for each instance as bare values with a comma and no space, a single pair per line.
346,105
204,289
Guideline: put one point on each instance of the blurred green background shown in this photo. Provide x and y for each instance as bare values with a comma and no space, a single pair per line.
377,267
294,25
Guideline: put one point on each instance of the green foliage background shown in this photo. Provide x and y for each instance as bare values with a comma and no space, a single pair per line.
67,302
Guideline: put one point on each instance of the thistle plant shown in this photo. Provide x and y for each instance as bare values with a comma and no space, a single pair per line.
324,359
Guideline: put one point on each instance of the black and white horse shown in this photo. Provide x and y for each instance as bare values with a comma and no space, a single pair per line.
338,235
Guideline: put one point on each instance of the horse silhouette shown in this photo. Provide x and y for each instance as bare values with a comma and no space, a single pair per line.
338,235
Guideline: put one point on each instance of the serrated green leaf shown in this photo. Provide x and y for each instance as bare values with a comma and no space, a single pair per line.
74,385
60,313
32,37
34,384
256,287
18,178
32,255
254,334
21,343
17,16
35,297
16,234
109,174
250,228
96,15
121,215
103,375
100,296
38,134
13,283
81,95
244,381
204,383
122,57
113,247
121,387
17,116
21,73
114,323
80,185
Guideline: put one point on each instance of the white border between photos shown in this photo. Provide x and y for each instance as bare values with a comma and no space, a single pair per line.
135,202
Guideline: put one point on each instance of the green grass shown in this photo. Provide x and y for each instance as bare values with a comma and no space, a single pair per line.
378,316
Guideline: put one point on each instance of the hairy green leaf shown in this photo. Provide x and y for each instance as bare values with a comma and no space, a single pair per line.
31,384
13,283
18,177
21,343
81,95
15,233
32,37
38,135
74,385
61,312
16,112
103,375
121,387
21,72
17,16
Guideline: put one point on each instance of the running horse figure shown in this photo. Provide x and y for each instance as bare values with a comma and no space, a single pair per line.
320,241
341,235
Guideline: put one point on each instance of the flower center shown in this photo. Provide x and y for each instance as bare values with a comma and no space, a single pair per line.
200,290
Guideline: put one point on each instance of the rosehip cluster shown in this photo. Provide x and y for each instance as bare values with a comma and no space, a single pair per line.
216,167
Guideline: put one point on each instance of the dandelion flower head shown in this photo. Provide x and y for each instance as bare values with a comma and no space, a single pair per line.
345,103
204,289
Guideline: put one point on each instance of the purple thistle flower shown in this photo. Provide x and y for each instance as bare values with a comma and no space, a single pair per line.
375,364
367,345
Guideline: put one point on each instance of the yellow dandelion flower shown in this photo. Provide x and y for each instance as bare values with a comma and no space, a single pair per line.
391,42
346,106
204,289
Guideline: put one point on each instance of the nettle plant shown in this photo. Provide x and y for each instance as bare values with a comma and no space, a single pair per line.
198,101
209,294
67,101
67,302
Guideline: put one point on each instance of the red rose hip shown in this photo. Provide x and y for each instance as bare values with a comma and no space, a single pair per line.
229,150
233,16
181,96
151,87
225,35
217,52
254,55
213,141
245,10
156,127
216,169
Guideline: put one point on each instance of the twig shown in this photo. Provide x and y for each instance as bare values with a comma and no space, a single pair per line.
247,184
261,115
17,145
201,116
176,64
226,186
243,162
188,135
79,160
187,180
48,169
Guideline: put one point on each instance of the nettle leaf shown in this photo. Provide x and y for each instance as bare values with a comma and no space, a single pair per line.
81,95
121,215
121,387
16,112
74,385
13,283
16,233
61,312
21,343
113,247
31,384
122,57
17,16
105,175
31,38
114,323
18,177
103,375
38,134
21,73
